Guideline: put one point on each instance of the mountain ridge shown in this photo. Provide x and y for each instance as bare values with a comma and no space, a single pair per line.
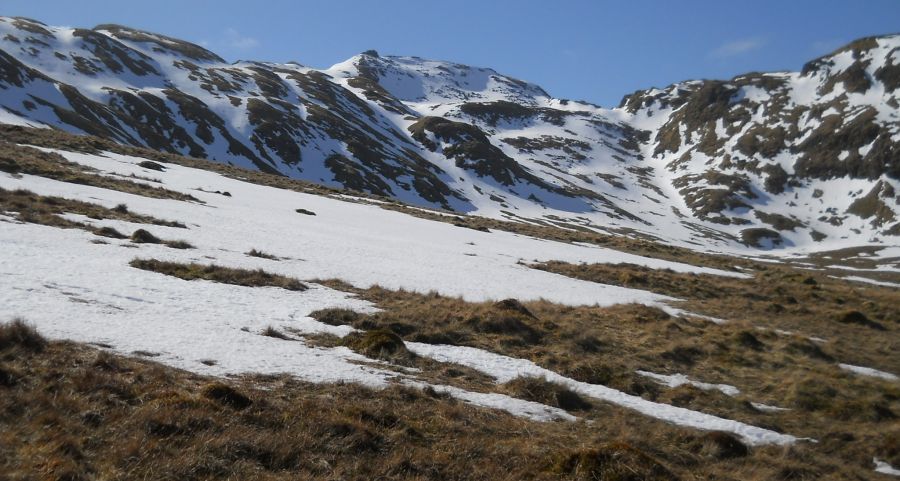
720,163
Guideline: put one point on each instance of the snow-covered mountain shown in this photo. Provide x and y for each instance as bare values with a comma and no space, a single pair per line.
806,159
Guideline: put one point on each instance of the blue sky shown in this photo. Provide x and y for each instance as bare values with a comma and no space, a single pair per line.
590,50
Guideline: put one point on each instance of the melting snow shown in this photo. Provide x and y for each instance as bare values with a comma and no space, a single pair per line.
675,380
885,468
868,371
73,288
504,369
866,280
768,408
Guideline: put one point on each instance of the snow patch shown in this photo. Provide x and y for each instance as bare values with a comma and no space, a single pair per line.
675,380
868,371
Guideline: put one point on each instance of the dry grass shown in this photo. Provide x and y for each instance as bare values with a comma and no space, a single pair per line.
142,236
225,275
17,159
78,413
378,344
261,255
616,461
607,345
70,413
46,210
270,331
776,297
546,392
18,333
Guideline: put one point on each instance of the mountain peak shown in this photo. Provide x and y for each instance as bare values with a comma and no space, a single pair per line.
414,79
158,43
877,56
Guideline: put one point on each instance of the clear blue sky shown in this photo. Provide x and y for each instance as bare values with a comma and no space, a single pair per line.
591,50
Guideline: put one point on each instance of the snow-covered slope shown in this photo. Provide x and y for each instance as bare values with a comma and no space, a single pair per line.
812,155
804,159
215,329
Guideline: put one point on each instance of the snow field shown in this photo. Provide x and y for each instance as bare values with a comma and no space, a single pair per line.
73,288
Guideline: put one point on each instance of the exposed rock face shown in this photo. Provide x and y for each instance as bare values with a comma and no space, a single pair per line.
798,138
768,160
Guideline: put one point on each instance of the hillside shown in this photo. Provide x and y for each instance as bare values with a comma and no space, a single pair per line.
398,268
803,160
195,290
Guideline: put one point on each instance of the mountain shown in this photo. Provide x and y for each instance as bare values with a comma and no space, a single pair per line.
168,317
806,159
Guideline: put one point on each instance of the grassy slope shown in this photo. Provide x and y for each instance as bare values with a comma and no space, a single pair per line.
70,412
50,397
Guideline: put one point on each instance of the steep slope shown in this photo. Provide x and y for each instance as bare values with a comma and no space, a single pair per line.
812,154
762,160
181,98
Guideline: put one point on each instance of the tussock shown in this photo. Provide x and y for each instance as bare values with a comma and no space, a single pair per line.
261,255
270,331
546,392
336,316
142,236
149,164
226,395
378,344
613,461
215,273
18,333
110,232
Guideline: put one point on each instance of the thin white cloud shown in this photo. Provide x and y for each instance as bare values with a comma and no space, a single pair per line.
738,47
235,40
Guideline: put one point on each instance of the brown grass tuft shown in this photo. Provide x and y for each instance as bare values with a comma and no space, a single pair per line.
722,445
18,333
513,305
270,331
178,244
226,395
377,344
336,316
46,210
856,317
20,159
546,392
110,232
215,273
261,255
142,236
149,164
616,461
